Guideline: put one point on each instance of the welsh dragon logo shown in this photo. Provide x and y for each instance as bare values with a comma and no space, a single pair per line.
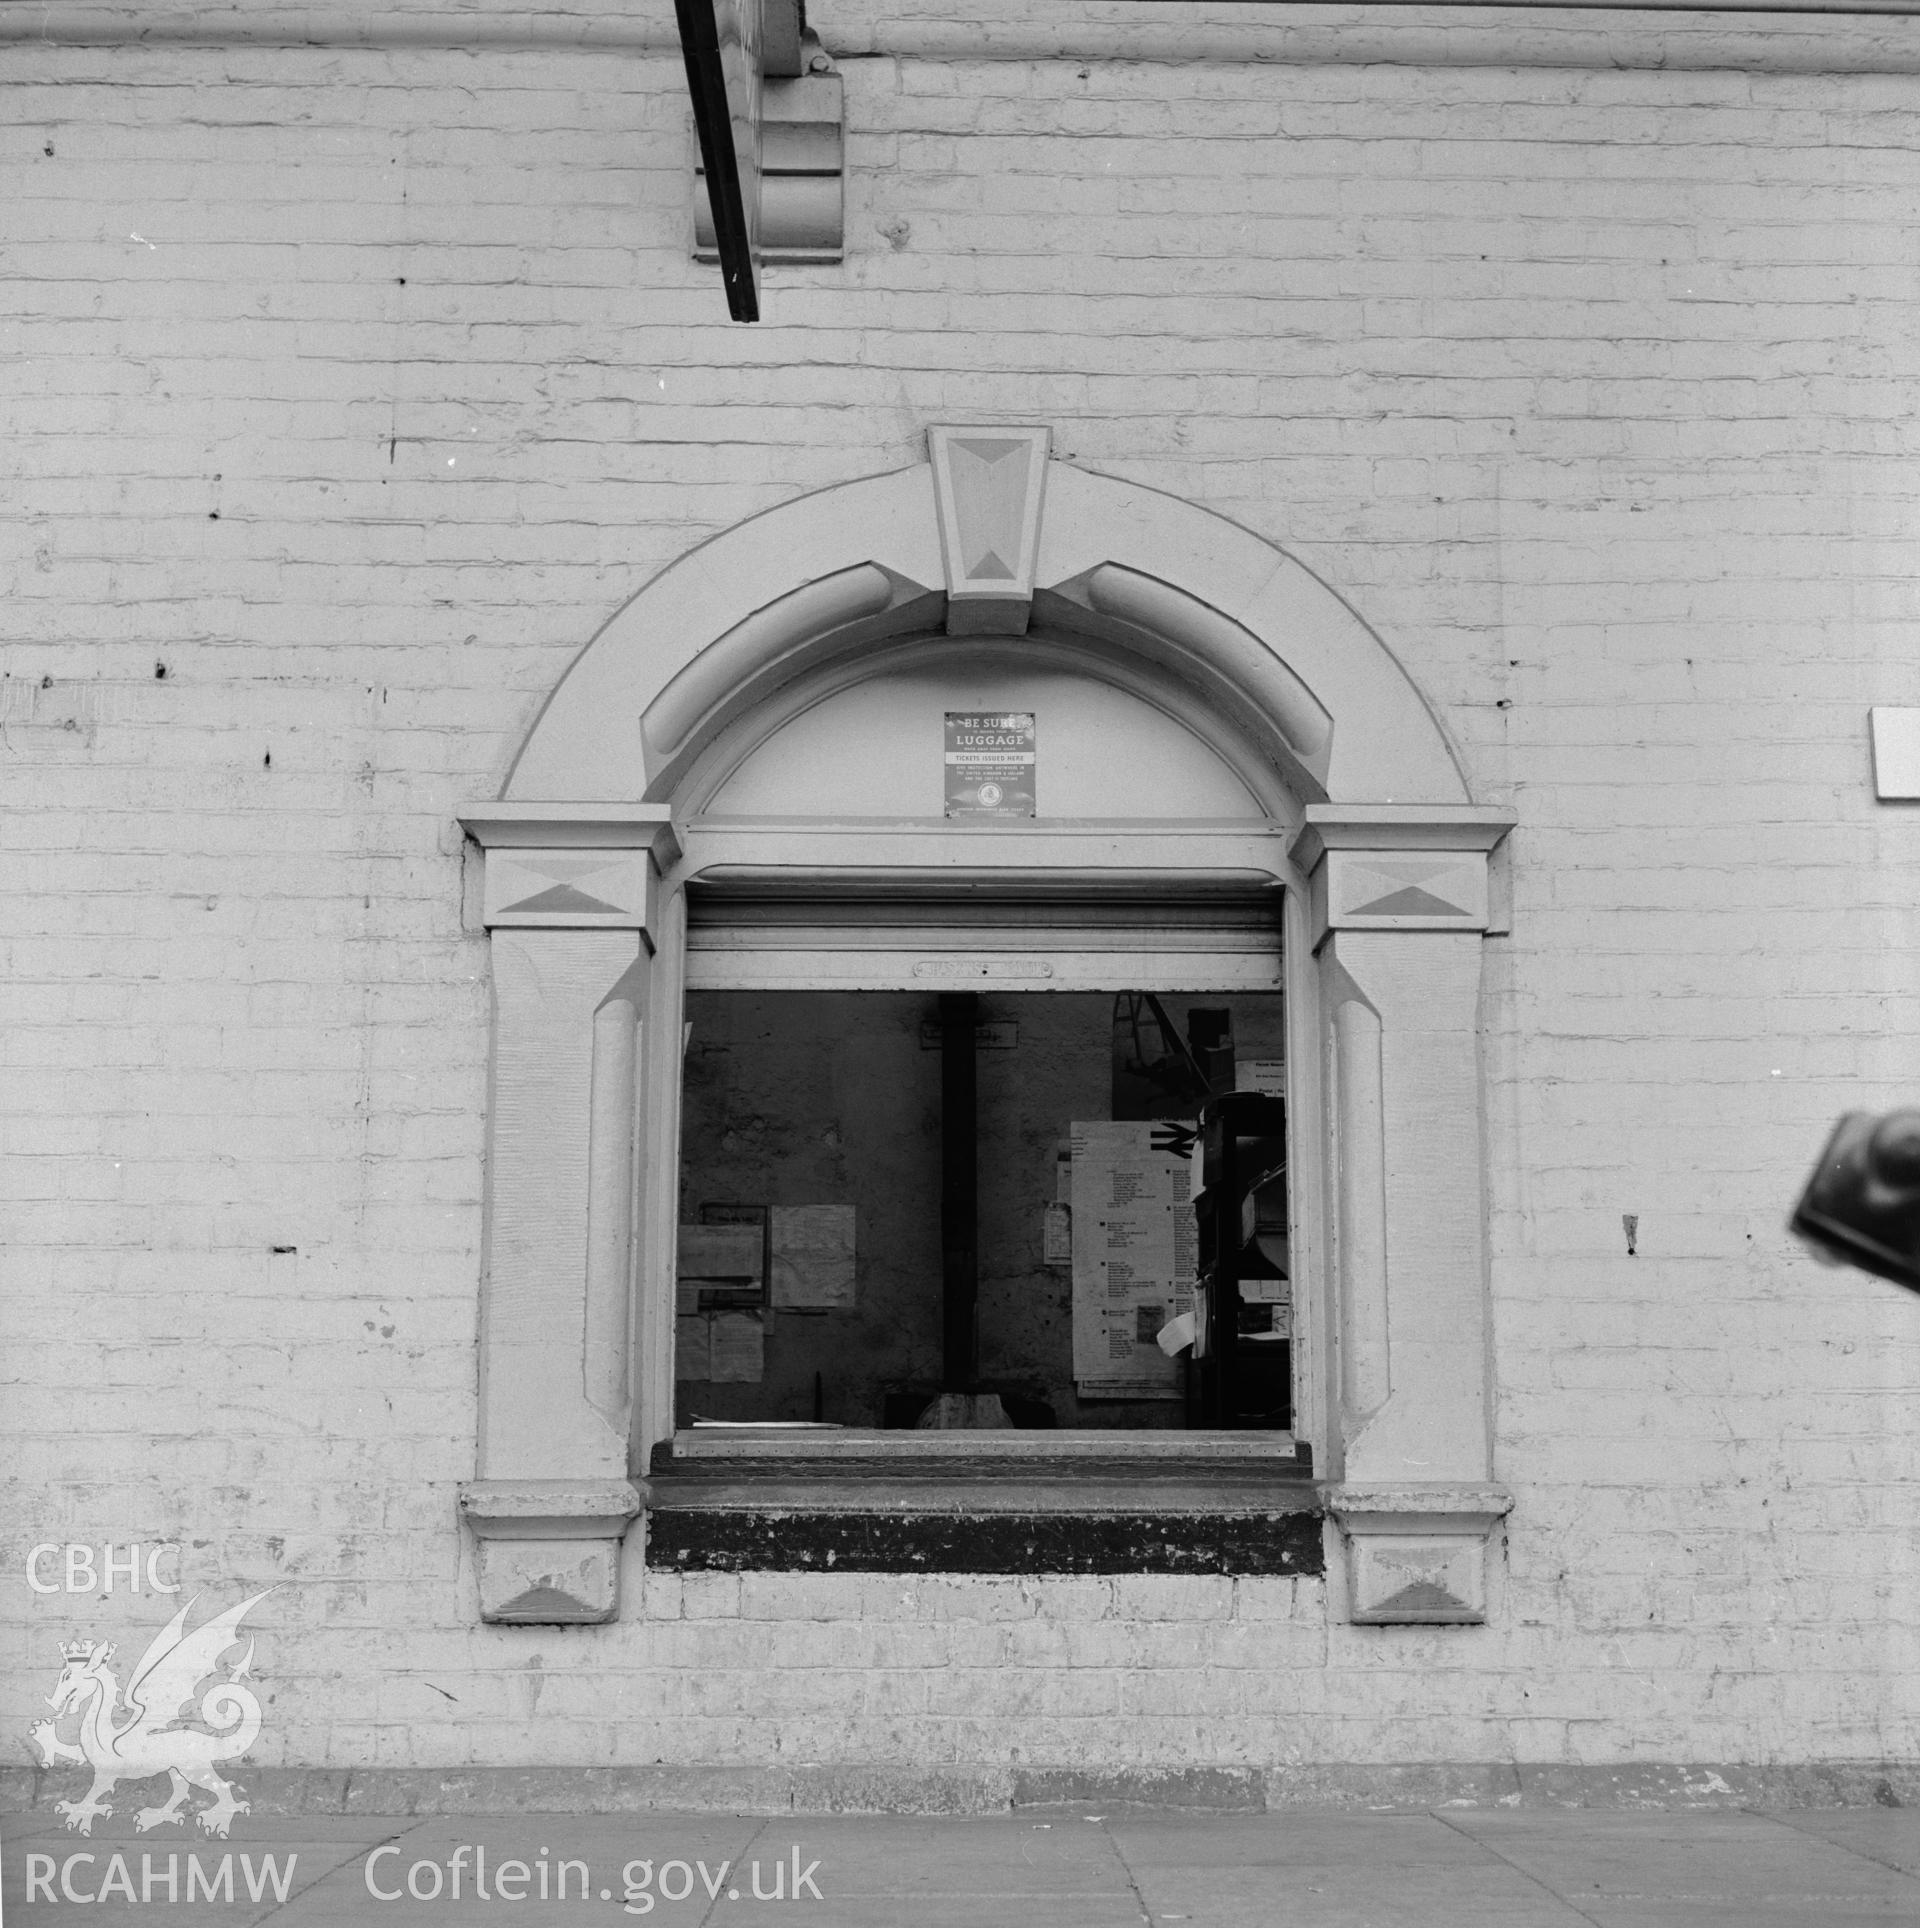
139,1734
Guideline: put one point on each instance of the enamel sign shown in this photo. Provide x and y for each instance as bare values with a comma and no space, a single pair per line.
990,763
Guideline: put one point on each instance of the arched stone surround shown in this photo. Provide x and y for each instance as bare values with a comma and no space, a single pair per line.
1370,825
719,630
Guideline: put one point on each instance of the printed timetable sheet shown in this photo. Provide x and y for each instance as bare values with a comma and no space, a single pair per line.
1134,1254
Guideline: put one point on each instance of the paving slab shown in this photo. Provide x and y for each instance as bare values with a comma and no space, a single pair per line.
1295,1837
1889,1836
1623,1862
1806,1911
1344,1896
992,1858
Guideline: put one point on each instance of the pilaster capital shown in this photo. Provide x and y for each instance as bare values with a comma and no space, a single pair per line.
1401,866
1399,826
572,866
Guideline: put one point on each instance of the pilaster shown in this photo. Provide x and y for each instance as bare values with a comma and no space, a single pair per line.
569,898
1400,904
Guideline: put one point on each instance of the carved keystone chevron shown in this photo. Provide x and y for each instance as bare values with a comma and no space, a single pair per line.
988,483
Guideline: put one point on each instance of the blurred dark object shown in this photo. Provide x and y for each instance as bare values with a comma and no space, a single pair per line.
1242,1372
1156,1072
1210,1046
1862,1204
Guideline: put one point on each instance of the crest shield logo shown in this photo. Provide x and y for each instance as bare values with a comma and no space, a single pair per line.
185,1708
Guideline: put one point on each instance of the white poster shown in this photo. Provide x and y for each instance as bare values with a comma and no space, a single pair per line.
720,1348
813,1255
1134,1250
739,1348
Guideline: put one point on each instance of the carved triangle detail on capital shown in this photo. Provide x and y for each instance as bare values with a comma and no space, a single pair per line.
1402,867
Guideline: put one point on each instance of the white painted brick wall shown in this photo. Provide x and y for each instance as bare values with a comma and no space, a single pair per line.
358,387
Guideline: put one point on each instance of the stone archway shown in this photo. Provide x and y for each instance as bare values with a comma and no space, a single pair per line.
830,572
583,852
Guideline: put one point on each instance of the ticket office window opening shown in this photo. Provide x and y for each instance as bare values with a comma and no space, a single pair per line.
984,1208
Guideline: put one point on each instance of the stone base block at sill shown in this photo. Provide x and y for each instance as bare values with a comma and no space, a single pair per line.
547,1552
1417,1551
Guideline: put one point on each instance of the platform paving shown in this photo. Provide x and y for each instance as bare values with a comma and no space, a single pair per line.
1067,1867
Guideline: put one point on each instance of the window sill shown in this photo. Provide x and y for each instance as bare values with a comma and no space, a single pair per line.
830,1445
853,1468
1002,1503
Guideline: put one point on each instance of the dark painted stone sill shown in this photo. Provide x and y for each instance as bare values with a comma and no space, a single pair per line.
686,1536
895,1509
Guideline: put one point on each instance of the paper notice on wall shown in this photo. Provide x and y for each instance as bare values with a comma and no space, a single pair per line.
1134,1248
719,1264
730,1254
1268,1076
739,1348
1056,1235
813,1255
720,1251
692,1348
